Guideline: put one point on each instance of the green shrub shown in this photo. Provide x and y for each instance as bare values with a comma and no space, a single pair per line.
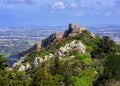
82,81
84,58
89,72
73,52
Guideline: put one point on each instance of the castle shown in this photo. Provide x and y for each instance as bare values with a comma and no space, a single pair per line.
73,30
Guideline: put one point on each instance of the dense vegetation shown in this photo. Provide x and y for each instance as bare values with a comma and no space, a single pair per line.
99,66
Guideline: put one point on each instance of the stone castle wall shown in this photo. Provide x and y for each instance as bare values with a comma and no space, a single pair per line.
73,30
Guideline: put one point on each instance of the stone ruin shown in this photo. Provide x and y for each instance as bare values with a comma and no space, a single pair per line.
72,31
75,29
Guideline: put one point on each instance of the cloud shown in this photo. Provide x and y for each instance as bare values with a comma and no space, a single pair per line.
18,1
80,13
58,5
74,5
99,7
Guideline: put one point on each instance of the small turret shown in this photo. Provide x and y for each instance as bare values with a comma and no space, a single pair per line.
75,29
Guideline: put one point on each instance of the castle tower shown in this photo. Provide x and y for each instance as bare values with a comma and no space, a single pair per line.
73,28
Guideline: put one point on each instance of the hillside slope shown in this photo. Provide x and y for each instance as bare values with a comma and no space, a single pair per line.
75,57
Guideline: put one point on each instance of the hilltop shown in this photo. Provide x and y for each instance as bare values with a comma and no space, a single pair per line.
75,57
74,29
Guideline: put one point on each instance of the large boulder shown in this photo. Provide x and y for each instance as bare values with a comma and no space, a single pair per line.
50,55
63,50
37,61
81,47
73,44
23,59
22,68
81,50
27,66
46,57
80,44
59,53
67,46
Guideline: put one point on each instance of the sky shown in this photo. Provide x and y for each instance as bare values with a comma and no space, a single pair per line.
59,12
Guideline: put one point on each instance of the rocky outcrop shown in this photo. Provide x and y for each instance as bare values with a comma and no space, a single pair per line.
27,66
19,62
24,67
73,45
21,68
73,30
61,52
37,61
49,56
81,47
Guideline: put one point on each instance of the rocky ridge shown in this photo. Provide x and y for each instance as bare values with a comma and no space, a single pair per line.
74,29
61,53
